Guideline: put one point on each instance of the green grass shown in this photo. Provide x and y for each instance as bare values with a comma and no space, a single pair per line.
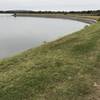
65,69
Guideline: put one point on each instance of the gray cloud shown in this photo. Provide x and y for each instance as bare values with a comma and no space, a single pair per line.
50,4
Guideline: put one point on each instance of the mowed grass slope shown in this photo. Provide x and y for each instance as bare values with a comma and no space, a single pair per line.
66,69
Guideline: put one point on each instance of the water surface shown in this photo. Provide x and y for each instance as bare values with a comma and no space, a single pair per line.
21,33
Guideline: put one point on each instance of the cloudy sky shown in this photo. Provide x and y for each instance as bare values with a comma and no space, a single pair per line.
50,4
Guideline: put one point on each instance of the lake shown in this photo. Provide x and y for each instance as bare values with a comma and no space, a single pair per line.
21,33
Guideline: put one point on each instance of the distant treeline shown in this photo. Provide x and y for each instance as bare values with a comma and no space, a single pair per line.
89,12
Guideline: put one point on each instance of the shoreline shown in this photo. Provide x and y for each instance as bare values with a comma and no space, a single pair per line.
56,16
60,16
44,41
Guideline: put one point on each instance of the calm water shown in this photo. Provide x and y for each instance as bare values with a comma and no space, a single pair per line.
21,33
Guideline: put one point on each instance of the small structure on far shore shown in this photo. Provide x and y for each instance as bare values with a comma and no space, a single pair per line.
14,14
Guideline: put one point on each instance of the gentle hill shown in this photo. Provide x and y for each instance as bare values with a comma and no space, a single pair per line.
66,69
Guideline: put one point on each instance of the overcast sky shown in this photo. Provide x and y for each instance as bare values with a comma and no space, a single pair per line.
50,4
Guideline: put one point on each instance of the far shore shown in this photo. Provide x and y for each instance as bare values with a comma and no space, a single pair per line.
61,16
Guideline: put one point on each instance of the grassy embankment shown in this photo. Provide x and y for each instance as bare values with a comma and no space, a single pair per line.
66,69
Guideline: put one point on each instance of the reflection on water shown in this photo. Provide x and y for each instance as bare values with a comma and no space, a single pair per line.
21,33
